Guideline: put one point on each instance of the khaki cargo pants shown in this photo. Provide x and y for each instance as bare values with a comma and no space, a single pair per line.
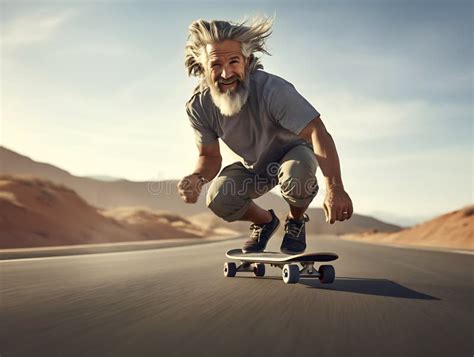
231,193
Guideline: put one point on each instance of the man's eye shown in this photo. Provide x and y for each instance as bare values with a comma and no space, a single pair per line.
234,61
215,65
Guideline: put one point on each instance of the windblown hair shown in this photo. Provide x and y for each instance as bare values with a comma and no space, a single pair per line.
202,32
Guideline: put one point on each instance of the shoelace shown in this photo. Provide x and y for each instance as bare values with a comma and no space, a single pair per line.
256,230
294,229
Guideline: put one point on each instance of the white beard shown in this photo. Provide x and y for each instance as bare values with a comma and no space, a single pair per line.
231,101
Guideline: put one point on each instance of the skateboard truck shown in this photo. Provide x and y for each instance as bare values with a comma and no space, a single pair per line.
309,270
245,266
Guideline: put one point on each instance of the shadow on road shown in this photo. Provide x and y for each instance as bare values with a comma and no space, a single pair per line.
380,287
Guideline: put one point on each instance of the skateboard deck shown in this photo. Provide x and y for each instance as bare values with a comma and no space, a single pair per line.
276,257
291,271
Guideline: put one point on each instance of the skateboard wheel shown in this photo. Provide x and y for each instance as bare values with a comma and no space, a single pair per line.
259,269
290,273
230,269
327,274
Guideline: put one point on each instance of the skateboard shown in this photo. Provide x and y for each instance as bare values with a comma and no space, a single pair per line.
290,270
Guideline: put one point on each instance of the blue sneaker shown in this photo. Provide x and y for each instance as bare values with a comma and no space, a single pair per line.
294,241
261,234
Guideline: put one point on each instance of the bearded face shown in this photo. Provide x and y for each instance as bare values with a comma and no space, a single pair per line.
226,76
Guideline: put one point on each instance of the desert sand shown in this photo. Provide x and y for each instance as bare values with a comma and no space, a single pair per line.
39,213
453,230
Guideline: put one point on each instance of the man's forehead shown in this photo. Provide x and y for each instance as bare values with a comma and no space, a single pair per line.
225,48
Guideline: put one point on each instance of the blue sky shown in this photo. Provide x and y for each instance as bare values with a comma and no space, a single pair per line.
98,88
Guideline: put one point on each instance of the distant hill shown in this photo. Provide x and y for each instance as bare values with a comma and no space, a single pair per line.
162,195
104,178
400,219
454,230
39,213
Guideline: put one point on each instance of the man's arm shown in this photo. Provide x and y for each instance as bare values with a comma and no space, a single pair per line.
209,161
207,167
325,150
337,205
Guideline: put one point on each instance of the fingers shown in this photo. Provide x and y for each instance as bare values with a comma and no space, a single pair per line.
326,211
184,184
347,210
337,211
350,210
189,197
331,212
344,213
187,192
332,215
182,190
340,214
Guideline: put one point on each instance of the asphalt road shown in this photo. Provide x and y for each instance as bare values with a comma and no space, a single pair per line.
176,302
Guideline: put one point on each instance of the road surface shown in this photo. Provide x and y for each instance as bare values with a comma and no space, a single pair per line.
176,302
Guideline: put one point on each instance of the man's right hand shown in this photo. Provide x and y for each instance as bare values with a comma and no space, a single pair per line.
190,187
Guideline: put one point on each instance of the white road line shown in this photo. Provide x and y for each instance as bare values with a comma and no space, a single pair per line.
142,251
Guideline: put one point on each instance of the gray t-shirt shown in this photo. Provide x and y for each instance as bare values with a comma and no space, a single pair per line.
264,130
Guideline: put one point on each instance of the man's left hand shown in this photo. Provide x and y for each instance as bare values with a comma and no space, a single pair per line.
337,205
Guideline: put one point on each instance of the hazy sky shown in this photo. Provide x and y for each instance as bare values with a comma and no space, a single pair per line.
98,88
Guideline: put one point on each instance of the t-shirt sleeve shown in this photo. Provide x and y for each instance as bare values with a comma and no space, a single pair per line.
289,108
203,133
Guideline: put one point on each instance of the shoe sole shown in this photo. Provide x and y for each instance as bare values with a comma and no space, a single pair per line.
289,252
271,235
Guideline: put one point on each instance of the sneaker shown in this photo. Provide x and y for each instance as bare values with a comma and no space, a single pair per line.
261,234
294,241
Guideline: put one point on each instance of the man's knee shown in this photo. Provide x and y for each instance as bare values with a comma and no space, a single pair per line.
224,203
296,168
298,183
297,175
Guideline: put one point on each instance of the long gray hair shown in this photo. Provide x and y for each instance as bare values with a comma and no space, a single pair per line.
202,32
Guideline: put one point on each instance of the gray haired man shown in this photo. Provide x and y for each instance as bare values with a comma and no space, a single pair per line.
263,119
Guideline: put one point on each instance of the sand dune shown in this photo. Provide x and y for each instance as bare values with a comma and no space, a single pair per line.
454,230
156,195
39,213
152,224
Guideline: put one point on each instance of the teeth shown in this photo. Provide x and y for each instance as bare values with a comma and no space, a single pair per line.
227,82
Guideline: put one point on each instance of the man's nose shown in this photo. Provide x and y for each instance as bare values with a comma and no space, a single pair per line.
226,73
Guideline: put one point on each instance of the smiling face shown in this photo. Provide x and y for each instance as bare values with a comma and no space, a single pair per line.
226,64
226,76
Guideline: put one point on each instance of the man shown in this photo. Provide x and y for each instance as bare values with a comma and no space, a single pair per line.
263,119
